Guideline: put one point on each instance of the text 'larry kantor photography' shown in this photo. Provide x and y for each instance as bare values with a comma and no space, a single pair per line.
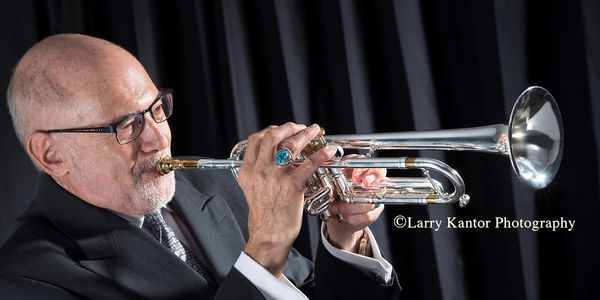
452,223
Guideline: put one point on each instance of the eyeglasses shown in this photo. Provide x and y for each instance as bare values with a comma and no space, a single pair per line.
130,127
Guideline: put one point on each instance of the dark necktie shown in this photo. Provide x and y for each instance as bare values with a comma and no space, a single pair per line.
165,235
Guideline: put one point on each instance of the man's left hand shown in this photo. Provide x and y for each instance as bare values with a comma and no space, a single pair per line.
356,217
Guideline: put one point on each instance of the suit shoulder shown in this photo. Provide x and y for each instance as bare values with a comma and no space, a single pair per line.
34,243
218,184
16,287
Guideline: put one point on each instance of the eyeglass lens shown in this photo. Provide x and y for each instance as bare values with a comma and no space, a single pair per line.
130,128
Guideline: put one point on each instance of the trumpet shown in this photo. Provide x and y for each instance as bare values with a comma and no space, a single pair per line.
532,140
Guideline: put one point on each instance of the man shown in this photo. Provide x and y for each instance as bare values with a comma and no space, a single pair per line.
103,224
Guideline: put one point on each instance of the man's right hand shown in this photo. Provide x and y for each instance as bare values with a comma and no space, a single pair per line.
275,195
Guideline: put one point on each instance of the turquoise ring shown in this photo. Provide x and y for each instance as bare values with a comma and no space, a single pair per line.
283,157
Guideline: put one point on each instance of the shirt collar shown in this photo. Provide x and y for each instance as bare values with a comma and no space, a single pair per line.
137,220
133,219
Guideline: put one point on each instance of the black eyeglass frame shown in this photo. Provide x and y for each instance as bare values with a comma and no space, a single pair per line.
112,128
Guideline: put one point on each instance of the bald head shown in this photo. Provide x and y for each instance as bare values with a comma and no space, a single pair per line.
64,77
75,81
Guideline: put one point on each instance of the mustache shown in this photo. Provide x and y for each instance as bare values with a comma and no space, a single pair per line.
149,164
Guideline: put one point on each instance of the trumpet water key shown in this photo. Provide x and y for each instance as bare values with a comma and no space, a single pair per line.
532,140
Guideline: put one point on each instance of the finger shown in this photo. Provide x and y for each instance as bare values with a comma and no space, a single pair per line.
365,219
357,174
341,208
310,165
371,176
253,144
272,138
379,175
300,139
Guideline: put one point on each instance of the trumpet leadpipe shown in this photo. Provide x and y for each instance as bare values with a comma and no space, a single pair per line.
167,164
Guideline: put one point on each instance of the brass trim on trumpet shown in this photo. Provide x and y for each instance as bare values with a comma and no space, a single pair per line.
431,198
166,164
410,163
315,144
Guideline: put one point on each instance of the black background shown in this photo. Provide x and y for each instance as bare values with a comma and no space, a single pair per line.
370,66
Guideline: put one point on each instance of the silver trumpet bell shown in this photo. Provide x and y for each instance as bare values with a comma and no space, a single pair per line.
533,140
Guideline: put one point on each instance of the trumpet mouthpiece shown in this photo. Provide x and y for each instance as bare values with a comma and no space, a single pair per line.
165,165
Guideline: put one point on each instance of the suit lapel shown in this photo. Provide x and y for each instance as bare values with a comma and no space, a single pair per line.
213,226
145,266
122,253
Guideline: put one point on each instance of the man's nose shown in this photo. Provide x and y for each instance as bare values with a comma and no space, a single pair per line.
154,136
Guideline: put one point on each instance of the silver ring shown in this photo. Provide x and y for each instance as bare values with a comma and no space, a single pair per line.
283,157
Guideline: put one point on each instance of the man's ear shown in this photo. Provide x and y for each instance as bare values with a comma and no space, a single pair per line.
48,155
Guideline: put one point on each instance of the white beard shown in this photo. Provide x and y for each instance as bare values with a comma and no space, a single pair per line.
150,196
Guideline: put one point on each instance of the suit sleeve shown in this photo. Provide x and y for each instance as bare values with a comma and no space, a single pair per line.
336,279
236,286
24,288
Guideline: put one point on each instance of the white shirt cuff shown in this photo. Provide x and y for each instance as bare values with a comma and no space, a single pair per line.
376,265
271,287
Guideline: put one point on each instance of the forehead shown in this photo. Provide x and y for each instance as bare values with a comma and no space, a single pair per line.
129,90
119,105
87,82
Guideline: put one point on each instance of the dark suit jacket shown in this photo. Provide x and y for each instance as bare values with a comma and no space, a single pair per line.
65,248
